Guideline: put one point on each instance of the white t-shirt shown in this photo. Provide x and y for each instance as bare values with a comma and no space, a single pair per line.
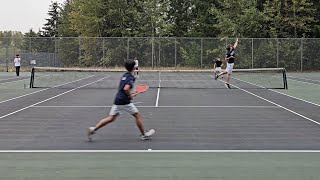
16,61
136,63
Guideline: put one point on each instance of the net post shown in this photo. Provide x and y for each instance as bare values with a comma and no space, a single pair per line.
31,78
285,82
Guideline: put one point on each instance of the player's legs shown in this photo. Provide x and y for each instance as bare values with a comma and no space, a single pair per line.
136,72
17,70
220,74
229,72
217,71
114,112
133,110
105,121
139,122
228,77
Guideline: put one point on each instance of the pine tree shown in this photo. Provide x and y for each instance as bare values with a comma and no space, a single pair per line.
289,18
50,28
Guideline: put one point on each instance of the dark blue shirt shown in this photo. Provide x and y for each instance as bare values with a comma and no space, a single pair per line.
122,98
229,54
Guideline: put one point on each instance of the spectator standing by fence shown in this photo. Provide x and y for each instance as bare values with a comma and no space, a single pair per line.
17,64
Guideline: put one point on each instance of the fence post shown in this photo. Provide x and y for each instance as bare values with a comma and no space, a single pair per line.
128,47
175,52
201,53
55,51
277,53
152,51
159,61
103,53
7,63
301,67
30,49
79,39
252,54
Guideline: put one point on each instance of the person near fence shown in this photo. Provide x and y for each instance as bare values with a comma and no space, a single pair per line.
17,64
229,57
217,66
136,67
123,102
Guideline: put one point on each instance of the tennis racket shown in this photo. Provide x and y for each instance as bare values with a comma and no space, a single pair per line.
141,88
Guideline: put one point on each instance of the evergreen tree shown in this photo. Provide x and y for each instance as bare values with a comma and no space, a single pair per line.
289,18
50,28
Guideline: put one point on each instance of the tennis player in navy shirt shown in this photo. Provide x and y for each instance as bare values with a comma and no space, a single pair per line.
123,102
229,57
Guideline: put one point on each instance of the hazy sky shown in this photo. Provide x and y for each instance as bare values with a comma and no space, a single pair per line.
22,15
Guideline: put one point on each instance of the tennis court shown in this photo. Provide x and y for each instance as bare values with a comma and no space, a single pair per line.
246,117
203,130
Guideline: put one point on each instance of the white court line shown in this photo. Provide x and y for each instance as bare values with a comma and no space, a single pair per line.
73,81
13,81
303,82
49,98
161,151
279,92
22,96
42,90
309,119
159,107
304,78
13,78
18,80
158,94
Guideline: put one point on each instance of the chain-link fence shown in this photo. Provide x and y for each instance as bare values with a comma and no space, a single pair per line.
293,54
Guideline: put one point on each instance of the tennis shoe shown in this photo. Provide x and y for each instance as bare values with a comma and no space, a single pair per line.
227,85
90,132
148,134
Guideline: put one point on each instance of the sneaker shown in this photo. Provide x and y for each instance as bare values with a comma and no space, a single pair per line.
90,132
227,85
148,134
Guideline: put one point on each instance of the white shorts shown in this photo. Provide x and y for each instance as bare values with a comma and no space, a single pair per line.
217,69
116,109
229,68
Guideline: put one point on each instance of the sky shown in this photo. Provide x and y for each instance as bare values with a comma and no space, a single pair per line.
22,15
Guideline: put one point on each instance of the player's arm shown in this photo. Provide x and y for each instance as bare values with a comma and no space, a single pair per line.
127,90
235,44
227,58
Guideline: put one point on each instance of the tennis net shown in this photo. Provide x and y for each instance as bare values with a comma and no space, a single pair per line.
44,77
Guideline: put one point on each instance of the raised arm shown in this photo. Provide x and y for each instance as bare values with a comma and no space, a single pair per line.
235,44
